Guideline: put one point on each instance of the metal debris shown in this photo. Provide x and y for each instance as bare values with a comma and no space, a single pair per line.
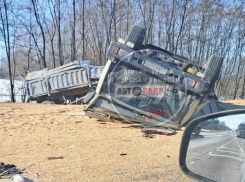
8,171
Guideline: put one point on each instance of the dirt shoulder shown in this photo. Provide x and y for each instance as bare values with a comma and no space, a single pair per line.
87,149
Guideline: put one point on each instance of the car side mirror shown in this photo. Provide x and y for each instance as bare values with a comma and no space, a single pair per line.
213,146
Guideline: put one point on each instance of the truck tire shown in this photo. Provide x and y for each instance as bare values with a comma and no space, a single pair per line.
48,102
212,67
136,36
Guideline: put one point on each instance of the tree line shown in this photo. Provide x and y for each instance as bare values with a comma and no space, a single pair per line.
37,34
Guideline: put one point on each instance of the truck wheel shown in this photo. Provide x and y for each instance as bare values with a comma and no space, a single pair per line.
136,36
212,67
48,102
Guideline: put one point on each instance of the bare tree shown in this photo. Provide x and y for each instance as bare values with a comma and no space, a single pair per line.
5,30
58,21
51,29
73,41
38,19
83,35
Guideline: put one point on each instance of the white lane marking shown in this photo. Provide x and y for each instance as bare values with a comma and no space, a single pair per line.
225,144
229,152
196,141
209,136
231,149
192,162
240,149
211,154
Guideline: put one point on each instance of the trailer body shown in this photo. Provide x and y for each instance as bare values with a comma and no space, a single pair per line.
70,80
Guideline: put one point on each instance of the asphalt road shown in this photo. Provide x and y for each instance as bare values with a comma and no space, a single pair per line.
217,155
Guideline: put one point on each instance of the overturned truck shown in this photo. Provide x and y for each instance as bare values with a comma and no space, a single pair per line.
147,85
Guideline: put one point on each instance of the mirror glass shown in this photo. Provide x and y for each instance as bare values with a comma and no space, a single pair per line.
216,149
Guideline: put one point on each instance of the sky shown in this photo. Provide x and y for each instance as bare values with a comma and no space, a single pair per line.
233,121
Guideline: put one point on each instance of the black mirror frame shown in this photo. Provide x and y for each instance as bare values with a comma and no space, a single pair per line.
186,139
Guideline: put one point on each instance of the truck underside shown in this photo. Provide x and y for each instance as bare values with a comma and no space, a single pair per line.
152,87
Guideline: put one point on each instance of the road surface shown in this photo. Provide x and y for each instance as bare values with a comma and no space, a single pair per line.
216,155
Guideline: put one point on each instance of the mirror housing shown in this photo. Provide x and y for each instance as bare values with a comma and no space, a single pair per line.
187,137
